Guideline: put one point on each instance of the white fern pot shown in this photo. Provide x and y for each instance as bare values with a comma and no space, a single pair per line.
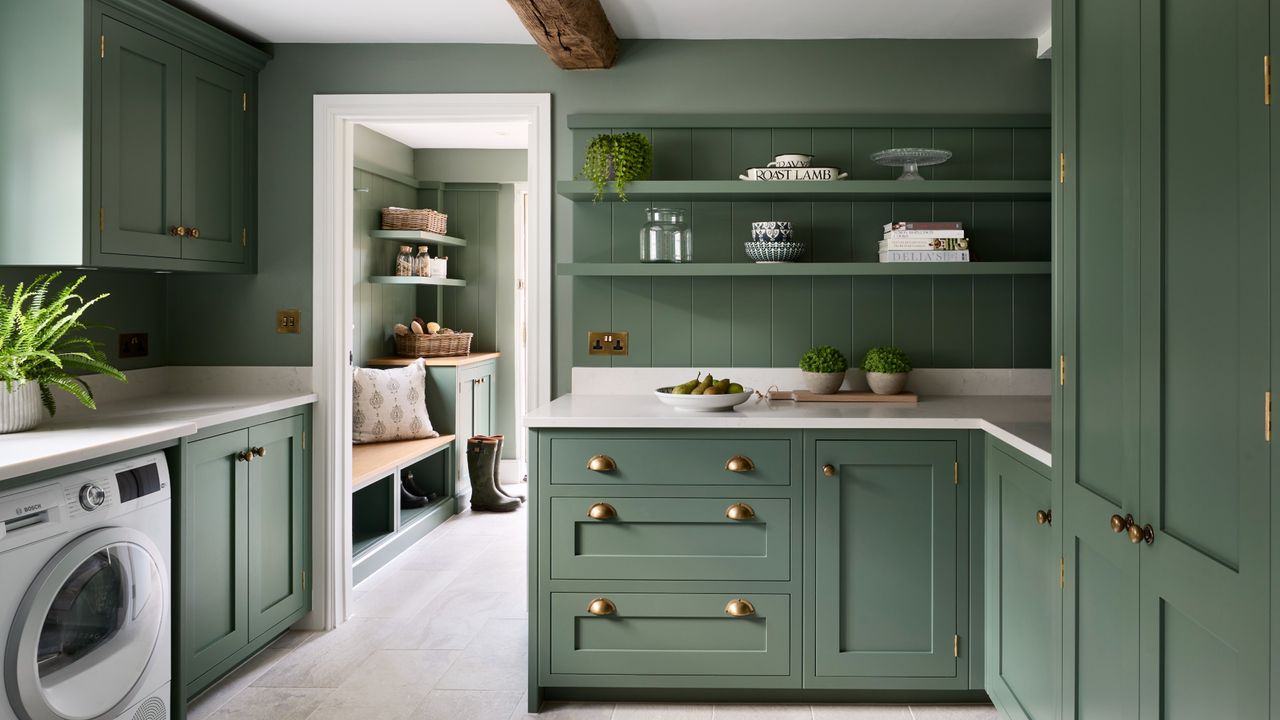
19,408
886,383
822,383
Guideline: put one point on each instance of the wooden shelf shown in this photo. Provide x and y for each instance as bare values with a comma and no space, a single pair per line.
799,269
800,191
418,237
452,361
374,461
397,280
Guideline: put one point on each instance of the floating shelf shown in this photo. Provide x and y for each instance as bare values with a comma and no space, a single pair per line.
418,237
397,280
800,269
800,191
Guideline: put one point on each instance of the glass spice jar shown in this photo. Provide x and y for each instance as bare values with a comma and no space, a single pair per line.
404,262
665,237
422,263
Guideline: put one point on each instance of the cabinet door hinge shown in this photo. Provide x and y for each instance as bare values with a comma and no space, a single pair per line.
1062,167
1062,370
244,102
1266,79
101,220
244,237
955,472
304,581
1062,573
102,46
1266,423
955,646
304,439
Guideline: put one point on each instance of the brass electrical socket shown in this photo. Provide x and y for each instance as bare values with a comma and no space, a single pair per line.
289,321
608,343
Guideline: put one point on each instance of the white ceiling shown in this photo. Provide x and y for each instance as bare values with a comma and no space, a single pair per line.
492,21
482,134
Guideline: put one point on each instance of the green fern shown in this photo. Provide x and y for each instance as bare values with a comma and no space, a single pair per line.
34,342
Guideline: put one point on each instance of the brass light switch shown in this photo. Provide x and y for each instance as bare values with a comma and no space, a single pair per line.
607,343
289,321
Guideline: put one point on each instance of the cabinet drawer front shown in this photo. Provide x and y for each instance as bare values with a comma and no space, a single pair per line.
670,634
671,539
670,462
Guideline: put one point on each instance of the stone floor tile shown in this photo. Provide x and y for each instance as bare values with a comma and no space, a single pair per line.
469,704
254,703
662,711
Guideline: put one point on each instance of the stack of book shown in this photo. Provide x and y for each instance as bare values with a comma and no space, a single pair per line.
924,242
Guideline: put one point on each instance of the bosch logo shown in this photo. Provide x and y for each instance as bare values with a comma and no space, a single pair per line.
27,510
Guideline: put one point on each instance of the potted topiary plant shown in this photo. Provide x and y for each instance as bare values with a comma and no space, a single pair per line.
37,353
620,158
823,369
886,369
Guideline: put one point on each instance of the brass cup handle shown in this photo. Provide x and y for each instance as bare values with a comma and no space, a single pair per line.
259,451
601,463
1044,517
829,470
244,456
178,231
194,232
602,606
602,511
740,511
739,464
739,607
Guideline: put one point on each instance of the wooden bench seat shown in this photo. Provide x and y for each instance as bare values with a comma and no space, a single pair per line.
373,461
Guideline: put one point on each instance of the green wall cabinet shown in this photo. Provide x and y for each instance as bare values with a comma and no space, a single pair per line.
243,533
165,105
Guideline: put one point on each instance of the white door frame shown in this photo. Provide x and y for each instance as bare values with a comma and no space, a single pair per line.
332,279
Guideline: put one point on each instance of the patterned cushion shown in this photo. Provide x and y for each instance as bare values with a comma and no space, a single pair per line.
390,405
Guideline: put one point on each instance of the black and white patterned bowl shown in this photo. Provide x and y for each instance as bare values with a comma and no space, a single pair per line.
772,252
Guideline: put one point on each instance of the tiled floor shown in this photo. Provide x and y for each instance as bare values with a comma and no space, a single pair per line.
440,634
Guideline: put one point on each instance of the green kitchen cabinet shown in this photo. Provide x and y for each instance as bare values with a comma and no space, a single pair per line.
476,398
243,533
215,193
1023,593
886,562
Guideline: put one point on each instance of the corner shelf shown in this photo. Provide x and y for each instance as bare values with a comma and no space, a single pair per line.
800,191
800,269
397,280
418,237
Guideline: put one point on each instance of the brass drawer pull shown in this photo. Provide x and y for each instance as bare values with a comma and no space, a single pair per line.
740,511
602,606
739,607
602,511
601,463
829,470
1044,517
739,464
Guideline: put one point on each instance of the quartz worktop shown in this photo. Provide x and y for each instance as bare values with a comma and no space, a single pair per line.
119,426
1020,421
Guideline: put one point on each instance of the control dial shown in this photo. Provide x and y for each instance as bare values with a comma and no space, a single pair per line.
92,496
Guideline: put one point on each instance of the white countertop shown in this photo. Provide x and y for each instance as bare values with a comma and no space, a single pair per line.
74,435
1023,421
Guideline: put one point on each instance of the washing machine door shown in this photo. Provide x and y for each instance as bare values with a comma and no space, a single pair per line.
87,629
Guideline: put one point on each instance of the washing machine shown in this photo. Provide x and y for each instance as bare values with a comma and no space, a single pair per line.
85,594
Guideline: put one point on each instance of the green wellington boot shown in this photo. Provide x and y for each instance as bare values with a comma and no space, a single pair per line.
497,463
481,454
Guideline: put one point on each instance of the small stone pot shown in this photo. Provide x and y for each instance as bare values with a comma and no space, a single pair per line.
823,383
20,408
886,383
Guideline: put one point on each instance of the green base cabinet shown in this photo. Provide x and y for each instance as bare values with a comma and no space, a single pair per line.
243,533
464,402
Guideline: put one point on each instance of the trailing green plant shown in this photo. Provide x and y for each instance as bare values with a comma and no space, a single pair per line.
622,158
823,359
39,340
886,359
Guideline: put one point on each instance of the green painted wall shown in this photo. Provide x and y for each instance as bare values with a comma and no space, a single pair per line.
905,76
471,165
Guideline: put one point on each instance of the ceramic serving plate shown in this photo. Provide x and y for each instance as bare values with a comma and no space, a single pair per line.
793,173
702,403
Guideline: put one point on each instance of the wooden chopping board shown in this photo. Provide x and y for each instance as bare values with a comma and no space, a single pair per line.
864,396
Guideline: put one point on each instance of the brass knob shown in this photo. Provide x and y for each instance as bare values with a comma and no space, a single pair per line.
259,451
829,470
739,607
602,606
244,456
601,463
1120,524
1148,534
602,511
740,511
177,231
194,232
739,464
1044,517
1136,535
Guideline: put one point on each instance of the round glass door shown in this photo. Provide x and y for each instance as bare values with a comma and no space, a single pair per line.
90,627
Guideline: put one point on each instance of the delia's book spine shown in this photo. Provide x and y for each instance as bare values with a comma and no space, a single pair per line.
921,256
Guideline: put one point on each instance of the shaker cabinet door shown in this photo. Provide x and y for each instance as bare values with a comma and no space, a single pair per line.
214,115
278,523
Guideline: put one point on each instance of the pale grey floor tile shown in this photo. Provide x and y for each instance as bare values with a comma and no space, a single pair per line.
861,712
662,711
452,620
329,659
564,711
399,672
371,703
506,671
954,712
469,704
762,712
402,594
500,635
504,580
292,639
254,703
242,677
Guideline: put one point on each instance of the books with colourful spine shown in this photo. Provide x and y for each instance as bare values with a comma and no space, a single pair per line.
923,256
924,243
908,234
923,226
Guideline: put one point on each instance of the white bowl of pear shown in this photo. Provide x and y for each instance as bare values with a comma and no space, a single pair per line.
704,394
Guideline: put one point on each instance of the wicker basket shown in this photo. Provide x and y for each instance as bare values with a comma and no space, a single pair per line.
433,345
394,218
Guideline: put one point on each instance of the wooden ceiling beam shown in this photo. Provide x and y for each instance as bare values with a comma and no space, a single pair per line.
575,34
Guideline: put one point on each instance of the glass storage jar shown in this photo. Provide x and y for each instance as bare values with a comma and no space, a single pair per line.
404,262
665,237
422,263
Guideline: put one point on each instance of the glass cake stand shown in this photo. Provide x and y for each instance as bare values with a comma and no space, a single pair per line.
911,160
